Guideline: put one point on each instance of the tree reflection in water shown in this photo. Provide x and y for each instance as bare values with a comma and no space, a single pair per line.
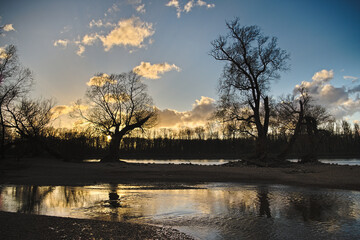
223,209
264,208
29,198
319,207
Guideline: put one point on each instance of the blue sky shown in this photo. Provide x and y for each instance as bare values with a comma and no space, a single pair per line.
174,36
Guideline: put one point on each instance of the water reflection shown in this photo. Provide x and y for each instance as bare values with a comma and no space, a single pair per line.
264,208
209,211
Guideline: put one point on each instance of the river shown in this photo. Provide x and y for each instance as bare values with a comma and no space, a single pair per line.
204,211
351,162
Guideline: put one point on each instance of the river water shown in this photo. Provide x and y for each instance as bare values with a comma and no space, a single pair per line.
204,211
351,162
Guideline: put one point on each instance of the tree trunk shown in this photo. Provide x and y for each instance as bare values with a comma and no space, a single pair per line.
293,138
114,149
261,147
2,143
312,133
262,129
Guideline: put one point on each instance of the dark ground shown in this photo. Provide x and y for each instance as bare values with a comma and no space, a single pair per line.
27,226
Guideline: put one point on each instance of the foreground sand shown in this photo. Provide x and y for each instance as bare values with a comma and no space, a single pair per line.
27,226
55,172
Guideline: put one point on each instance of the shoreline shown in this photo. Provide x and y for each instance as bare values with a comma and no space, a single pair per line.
48,172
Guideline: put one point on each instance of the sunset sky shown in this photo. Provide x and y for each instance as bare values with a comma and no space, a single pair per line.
168,42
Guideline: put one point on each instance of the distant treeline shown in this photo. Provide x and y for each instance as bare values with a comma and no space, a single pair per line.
75,146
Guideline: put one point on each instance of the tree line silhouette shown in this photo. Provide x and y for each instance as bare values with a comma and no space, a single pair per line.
247,123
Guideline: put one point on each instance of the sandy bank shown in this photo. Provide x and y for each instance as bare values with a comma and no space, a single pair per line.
54,172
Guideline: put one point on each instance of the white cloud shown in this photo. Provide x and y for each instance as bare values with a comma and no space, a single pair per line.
323,76
173,3
199,115
128,32
353,79
94,23
203,3
141,8
147,70
113,8
8,28
99,23
188,6
61,42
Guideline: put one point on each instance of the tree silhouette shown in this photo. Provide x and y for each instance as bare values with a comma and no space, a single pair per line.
252,61
117,104
15,83
298,115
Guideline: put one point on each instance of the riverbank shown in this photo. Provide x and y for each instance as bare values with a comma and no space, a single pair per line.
28,226
45,171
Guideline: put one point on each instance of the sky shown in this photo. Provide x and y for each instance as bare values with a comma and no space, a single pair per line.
168,42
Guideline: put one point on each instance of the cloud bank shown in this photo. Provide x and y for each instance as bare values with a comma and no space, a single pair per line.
339,101
198,116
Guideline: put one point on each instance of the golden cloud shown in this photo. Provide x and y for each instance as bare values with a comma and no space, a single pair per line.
61,110
61,42
81,50
8,28
3,54
147,70
90,39
100,80
129,32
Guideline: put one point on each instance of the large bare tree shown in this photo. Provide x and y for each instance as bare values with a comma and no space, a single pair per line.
15,83
117,104
252,62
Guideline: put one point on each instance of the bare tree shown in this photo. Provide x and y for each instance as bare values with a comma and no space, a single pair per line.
15,82
29,118
117,104
252,62
297,114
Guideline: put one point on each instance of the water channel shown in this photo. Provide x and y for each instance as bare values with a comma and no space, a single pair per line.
204,211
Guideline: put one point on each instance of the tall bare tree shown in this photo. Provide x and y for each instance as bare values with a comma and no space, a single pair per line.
15,82
252,62
117,104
